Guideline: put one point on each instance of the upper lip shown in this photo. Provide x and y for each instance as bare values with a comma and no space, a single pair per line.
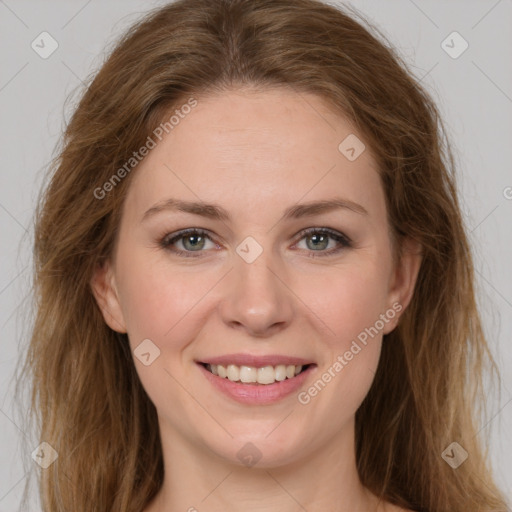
254,360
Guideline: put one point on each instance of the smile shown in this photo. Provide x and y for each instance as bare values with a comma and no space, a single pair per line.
253,375
256,380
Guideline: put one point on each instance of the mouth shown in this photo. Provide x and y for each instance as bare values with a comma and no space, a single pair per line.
257,379
257,376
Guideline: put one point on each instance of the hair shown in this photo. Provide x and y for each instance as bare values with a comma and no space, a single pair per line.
86,396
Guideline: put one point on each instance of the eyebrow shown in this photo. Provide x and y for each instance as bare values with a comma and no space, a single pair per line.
216,212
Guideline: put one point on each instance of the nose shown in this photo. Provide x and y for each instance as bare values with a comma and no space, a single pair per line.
256,298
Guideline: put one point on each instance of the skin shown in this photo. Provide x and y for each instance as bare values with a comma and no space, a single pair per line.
255,154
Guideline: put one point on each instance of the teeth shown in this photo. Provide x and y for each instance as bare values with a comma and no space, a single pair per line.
248,374
266,375
252,375
280,372
233,372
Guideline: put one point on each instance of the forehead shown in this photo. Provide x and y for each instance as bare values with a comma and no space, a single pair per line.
253,151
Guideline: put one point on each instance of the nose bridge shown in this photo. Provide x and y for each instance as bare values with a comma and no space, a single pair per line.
256,298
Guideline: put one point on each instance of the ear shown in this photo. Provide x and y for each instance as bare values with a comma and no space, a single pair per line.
104,289
403,279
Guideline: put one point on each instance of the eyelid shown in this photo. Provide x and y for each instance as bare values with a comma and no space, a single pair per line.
169,239
334,233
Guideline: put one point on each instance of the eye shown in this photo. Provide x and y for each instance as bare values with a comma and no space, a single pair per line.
317,240
195,240
191,239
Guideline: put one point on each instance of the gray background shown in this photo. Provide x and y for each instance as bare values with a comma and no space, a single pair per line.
473,91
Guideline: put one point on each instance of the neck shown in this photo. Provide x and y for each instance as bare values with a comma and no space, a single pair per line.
197,480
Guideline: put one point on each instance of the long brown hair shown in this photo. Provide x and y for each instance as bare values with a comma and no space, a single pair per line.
90,405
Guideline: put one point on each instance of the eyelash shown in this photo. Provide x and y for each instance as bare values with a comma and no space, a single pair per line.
167,241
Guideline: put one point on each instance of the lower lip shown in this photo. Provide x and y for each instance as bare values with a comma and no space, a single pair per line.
258,393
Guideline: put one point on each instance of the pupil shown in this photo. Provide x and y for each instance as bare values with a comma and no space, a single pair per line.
195,238
317,238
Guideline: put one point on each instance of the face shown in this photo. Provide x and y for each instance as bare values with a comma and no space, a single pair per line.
263,282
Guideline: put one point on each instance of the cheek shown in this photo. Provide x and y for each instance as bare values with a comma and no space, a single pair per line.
156,298
161,304
348,300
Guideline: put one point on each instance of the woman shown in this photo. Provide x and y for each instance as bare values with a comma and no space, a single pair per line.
255,291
